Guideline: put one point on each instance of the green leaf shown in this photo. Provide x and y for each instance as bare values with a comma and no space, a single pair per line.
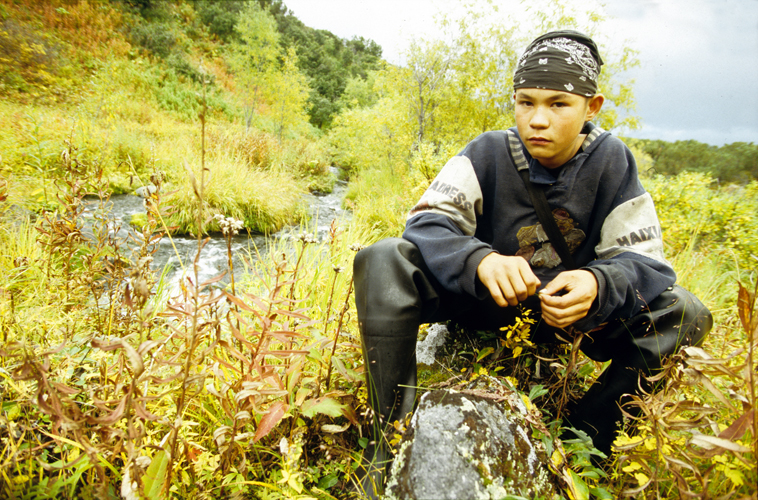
315,355
328,481
484,353
155,476
324,405
11,409
536,392
601,494
578,487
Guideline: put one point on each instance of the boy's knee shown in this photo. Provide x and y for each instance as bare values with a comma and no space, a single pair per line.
385,250
676,318
677,309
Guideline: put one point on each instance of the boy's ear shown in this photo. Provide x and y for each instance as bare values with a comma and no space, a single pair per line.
593,106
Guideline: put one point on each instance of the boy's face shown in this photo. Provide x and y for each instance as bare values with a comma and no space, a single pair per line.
550,121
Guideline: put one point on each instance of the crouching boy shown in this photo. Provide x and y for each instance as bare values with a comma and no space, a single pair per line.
474,248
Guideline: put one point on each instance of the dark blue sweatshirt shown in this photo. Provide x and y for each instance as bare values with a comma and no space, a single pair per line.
478,204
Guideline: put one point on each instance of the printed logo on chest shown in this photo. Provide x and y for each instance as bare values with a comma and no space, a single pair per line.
535,246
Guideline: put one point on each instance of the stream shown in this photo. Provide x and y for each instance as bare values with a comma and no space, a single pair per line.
322,209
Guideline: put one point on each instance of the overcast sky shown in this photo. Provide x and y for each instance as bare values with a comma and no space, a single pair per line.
698,77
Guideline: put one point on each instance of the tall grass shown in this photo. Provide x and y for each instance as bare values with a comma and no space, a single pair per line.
720,218
265,201
381,200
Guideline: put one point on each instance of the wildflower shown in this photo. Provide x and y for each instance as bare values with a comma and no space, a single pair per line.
129,488
229,225
284,446
306,238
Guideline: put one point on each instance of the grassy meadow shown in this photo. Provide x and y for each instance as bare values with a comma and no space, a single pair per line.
117,385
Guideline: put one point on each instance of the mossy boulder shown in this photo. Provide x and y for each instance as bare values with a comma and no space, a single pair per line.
466,446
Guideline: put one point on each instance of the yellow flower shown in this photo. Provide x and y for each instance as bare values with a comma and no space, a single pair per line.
625,440
633,466
641,478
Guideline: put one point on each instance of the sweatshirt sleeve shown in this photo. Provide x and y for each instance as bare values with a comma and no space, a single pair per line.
630,267
443,223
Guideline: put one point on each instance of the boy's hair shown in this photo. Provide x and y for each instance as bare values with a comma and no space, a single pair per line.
563,60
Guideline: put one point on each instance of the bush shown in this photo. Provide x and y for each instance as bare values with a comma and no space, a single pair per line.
362,138
690,205
157,38
220,17
28,58
265,201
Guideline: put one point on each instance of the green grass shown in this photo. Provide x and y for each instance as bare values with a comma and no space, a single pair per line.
265,200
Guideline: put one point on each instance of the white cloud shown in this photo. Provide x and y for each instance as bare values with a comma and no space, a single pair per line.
699,58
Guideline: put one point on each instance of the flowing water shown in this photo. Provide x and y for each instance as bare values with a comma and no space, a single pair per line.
178,252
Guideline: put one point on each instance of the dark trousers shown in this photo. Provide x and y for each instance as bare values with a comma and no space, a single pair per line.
395,293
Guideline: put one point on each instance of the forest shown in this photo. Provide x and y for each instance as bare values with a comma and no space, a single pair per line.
117,382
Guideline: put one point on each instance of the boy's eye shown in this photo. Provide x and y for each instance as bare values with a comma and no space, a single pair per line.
559,104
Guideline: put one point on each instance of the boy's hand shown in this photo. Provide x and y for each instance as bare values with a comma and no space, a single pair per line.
509,279
568,297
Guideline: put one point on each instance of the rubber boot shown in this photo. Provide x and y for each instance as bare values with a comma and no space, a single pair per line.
391,381
598,412
392,295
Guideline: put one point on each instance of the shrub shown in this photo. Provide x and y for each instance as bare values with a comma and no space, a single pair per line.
221,18
157,38
93,27
361,138
265,201
28,57
691,205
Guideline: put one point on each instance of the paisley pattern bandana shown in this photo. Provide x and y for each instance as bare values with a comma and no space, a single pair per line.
560,60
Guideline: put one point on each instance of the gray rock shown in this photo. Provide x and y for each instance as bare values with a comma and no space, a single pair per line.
463,446
145,191
426,350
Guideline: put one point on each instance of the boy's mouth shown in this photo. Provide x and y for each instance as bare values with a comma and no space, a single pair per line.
538,141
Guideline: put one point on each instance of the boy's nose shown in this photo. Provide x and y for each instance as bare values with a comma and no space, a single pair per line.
539,119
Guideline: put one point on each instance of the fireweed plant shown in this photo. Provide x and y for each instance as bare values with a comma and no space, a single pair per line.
128,391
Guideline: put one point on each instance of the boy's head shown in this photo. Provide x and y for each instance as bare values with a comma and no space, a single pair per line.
556,93
564,60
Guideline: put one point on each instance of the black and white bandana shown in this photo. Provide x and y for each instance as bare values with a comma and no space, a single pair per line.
560,60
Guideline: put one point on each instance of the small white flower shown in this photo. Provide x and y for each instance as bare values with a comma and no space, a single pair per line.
543,61
129,488
569,87
284,446
306,238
